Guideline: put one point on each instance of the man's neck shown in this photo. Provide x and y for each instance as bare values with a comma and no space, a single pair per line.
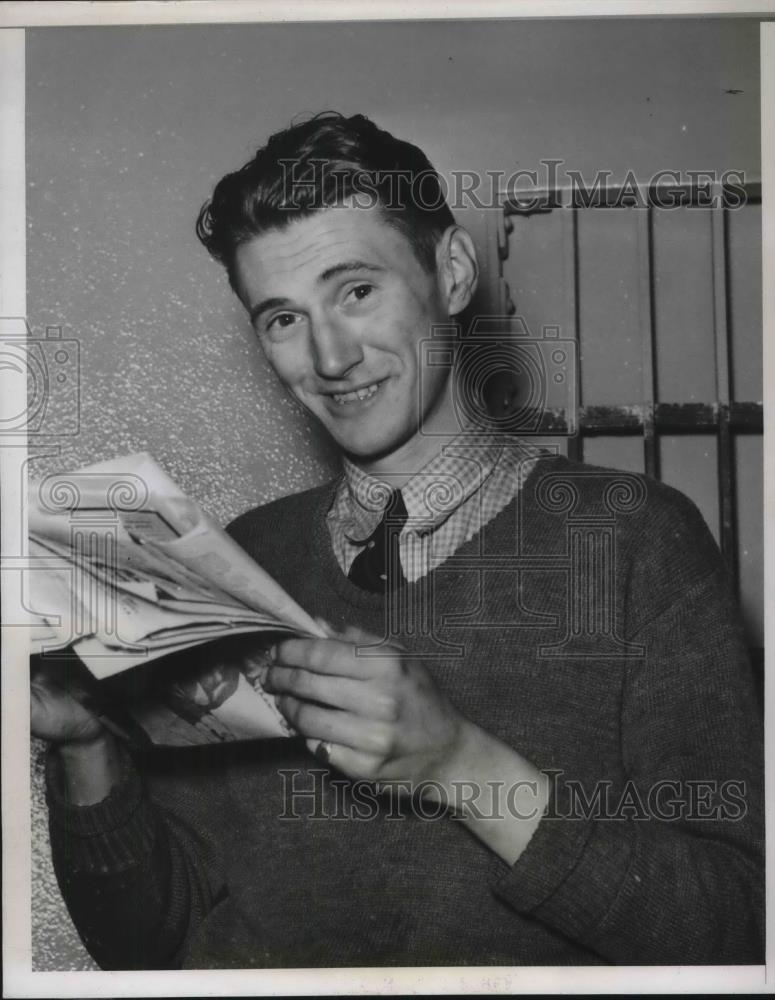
440,428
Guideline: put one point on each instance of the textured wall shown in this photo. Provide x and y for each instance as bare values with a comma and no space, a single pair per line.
128,128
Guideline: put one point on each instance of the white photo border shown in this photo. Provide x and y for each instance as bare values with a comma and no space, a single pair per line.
19,979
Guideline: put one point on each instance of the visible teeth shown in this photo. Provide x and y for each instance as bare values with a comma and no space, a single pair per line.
348,397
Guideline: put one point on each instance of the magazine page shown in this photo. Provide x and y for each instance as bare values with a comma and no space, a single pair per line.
203,546
217,701
142,570
208,694
125,570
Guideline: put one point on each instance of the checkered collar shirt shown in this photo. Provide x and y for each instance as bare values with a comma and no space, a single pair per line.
448,501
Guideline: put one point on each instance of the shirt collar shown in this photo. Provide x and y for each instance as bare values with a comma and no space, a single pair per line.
431,496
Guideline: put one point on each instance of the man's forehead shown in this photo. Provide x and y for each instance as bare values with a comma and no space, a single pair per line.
317,241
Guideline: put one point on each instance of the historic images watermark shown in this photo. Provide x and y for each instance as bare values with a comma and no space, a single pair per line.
318,794
320,183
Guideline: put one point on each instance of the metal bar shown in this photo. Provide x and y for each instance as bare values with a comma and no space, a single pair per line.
570,242
726,458
646,313
694,194
493,264
505,227
742,417
751,189
674,418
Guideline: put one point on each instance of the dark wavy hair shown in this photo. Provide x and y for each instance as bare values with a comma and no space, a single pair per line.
316,164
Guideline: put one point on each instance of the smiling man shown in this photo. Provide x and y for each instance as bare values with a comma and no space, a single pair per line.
340,307
518,744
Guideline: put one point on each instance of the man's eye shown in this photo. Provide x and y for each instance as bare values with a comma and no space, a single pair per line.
281,321
360,292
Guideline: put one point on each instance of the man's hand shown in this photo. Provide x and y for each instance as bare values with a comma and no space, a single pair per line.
388,721
57,714
384,713
91,759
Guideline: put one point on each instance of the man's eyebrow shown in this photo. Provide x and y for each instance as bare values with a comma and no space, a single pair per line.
344,267
265,304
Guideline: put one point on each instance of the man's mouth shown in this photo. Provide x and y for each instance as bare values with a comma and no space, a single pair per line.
357,395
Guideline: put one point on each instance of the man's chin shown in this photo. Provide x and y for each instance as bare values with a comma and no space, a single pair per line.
368,451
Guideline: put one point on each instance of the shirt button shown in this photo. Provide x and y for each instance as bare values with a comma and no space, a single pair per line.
383,576
370,545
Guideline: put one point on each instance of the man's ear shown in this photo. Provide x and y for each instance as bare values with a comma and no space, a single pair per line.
457,267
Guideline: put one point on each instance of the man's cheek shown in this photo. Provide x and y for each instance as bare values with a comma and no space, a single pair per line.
283,359
289,375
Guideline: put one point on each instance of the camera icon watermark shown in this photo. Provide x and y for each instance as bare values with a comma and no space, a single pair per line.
41,379
504,377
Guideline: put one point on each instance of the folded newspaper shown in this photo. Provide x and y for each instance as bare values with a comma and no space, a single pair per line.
126,569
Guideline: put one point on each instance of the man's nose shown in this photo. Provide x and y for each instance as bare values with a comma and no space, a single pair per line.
336,350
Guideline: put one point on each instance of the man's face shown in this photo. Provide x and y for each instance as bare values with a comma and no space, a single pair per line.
340,304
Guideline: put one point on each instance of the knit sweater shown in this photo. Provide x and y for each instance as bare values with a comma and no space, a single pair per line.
589,625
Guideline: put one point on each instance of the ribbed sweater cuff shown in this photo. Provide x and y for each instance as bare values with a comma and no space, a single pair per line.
569,875
110,835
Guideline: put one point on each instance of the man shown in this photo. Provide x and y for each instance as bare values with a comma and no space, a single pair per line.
534,736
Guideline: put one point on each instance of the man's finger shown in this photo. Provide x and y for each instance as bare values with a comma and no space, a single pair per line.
358,636
353,695
334,726
332,656
327,627
324,656
368,640
352,762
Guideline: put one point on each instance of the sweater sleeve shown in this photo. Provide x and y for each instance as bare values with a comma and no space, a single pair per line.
136,879
671,872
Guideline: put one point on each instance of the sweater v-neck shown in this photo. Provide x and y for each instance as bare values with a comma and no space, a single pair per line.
356,596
